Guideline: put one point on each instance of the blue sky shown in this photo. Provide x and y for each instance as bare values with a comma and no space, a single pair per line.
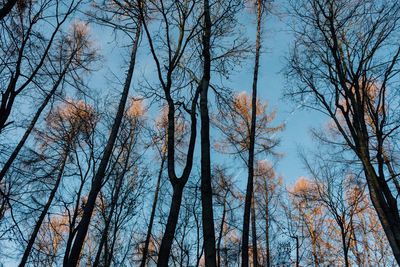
277,40
276,44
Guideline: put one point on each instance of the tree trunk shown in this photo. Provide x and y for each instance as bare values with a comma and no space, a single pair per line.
98,179
114,198
28,131
206,189
387,211
344,246
45,209
168,238
221,230
72,230
254,233
267,222
249,188
104,234
153,212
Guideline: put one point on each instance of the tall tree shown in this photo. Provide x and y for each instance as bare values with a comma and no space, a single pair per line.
250,164
75,53
26,51
97,183
267,188
345,56
159,140
124,182
206,188
235,123
186,29
64,126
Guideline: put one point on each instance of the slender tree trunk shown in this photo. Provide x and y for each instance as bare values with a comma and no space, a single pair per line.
344,246
206,189
7,8
365,239
114,198
199,252
168,238
254,233
249,188
177,183
104,234
28,131
72,229
267,222
221,230
153,213
98,179
297,251
45,209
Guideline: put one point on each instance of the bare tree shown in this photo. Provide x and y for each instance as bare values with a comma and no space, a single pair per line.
73,256
75,52
186,28
206,188
267,188
64,127
235,123
346,58
25,48
252,135
159,141
342,194
124,181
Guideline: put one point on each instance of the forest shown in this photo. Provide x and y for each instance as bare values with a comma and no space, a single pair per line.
162,132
